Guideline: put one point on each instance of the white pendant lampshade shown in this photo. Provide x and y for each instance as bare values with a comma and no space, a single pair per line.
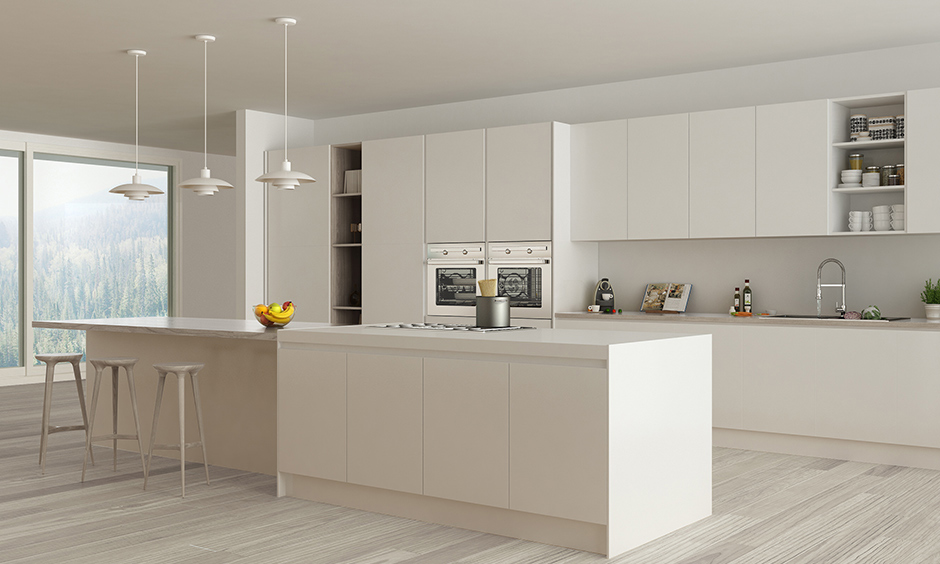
205,185
136,190
285,178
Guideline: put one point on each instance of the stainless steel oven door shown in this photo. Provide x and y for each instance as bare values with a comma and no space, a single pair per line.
523,273
453,272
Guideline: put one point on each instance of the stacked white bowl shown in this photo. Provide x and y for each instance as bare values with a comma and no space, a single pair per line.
897,217
851,178
870,179
860,221
882,218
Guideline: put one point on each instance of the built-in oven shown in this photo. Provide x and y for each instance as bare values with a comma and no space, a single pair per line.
453,271
523,273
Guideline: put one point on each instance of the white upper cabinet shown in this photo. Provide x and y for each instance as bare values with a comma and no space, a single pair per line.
792,169
455,184
658,177
519,183
393,191
922,122
599,181
722,173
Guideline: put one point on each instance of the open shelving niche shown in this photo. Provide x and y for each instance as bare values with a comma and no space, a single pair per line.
876,153
346,251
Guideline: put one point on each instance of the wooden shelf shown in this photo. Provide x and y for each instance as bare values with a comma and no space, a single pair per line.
880,144
354,195
345,245
869,190
348,308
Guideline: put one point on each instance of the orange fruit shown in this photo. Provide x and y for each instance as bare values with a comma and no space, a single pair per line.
261,309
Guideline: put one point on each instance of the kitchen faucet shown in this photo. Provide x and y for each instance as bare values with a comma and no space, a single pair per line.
819,286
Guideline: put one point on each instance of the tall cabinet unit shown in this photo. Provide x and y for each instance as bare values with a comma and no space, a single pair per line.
393,244
923,188
658,177
346,294
599,181
721,173
792,169
455,191
876,153
519,171
298,237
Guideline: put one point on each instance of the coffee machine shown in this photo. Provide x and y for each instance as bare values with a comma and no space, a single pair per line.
604,296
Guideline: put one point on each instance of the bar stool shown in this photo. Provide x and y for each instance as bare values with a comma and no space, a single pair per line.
51,360
180,370
115,364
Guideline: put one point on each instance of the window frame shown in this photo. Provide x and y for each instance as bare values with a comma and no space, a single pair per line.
26,236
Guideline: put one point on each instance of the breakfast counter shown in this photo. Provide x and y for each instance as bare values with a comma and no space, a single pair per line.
728,319
238,385
595,440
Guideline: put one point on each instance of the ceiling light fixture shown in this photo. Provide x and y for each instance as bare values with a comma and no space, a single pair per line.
205,185
285,179
136,190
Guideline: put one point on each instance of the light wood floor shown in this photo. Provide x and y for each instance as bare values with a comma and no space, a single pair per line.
768,508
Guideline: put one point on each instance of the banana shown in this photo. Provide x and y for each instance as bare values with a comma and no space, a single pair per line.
282,317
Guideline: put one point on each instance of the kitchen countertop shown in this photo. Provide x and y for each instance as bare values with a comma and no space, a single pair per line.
184,326
907,324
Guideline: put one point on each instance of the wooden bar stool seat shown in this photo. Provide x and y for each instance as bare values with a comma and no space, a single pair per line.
115,364
51,359
180,370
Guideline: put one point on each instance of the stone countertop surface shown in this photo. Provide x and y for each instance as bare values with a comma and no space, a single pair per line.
582,344
183,326
763,320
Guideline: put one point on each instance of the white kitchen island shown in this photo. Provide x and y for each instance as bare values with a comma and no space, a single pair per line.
595,440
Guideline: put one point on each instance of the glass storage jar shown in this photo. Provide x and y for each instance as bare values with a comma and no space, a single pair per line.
855,161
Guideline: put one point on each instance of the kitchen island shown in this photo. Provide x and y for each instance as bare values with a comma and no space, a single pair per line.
238,385
595,440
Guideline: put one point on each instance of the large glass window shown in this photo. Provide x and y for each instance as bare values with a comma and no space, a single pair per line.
11,179
96,254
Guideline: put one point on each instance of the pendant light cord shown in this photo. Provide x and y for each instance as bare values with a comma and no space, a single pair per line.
137,115
285,91
205,104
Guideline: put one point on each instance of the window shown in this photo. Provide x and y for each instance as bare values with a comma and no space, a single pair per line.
96,254
11,183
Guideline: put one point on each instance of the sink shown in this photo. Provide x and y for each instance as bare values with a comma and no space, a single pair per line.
830,317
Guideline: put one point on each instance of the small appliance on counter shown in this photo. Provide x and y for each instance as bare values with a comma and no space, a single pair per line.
604,296
492,310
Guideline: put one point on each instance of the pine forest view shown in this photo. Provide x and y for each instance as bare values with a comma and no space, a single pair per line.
95,254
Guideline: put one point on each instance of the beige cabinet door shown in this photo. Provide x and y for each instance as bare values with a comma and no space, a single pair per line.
922,122
658,173
383,421
721,173
455,179
793,136
466,430
393,249
558,441
311,413
599,181
519,183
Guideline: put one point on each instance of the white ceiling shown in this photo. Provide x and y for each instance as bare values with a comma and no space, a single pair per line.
64,70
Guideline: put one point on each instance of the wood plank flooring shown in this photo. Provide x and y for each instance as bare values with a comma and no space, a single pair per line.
768,508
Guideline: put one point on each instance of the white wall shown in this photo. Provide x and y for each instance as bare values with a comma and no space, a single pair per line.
206,260
887,271
256,132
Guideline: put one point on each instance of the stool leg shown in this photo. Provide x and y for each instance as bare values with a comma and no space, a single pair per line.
114,416
81,399
153,429
202,437
46,408
91,422
181,387
129,373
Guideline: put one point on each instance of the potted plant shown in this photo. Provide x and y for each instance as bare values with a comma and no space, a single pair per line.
931,298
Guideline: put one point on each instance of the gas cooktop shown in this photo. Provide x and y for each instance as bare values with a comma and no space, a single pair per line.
451,327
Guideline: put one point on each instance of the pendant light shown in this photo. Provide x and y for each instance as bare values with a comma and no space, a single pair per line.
285,179
136,190
205,185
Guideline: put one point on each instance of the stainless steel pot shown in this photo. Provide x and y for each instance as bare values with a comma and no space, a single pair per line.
492,311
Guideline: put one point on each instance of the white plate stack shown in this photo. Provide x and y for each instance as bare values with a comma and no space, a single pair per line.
851,179
897,217
860,221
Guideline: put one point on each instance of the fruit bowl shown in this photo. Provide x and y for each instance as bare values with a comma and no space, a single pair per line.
271,316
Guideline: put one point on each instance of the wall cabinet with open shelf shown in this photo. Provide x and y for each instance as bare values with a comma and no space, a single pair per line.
346,238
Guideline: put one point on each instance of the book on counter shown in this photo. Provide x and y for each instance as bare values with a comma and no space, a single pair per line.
666,297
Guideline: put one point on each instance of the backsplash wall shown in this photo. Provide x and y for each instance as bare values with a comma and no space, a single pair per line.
888,271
